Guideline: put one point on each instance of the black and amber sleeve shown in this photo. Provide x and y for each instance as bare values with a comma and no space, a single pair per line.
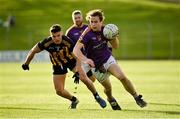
67,41
42,43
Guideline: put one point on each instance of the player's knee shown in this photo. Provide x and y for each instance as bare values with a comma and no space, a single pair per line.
121,77
59,92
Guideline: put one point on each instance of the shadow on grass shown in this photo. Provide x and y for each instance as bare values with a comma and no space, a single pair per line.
123,110
146,110
163,104
155,111
27,108
41,109
138,111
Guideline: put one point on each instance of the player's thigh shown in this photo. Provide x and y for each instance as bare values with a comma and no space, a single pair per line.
59,81
116,71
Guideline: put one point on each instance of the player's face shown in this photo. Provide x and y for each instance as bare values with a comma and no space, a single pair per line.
57,37
78,19
95,23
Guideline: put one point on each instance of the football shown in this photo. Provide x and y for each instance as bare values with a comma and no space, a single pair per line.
110,31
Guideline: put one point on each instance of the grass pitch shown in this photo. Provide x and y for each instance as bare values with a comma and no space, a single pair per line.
31,95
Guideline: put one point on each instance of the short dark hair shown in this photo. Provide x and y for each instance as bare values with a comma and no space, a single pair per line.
55,28
76,12
96,12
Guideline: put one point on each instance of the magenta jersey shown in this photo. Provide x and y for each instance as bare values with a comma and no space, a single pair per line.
96,46
75,32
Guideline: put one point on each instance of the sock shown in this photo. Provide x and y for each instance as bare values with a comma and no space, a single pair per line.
135,95
96,95
73,98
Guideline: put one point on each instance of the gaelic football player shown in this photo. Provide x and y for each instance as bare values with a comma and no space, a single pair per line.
74,32
60,50
100,58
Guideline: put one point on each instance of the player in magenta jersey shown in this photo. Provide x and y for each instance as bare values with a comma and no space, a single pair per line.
74,32
100,58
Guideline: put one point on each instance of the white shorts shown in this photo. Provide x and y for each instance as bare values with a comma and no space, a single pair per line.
86,67
110,61
103,76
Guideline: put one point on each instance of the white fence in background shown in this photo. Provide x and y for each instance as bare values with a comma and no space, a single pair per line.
20,56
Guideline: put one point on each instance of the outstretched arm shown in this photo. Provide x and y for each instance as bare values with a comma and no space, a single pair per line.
30,56
78,53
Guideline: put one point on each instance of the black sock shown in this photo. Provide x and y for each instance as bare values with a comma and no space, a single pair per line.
73,98
96,95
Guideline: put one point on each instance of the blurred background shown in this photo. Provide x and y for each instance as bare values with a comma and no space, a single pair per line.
149,32
149,29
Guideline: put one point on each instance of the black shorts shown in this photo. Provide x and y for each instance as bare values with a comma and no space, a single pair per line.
63,70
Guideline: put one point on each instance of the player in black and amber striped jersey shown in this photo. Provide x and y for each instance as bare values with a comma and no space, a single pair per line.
60,50
60,54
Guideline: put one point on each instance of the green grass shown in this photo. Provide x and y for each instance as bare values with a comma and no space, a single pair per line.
138,21
31,95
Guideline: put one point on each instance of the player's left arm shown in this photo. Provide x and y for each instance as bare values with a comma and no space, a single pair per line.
78,53
114,42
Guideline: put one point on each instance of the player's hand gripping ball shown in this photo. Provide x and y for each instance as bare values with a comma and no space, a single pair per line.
110,31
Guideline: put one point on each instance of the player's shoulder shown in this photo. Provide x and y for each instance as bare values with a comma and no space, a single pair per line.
46,40
70,29
66,40
86,32
45,43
